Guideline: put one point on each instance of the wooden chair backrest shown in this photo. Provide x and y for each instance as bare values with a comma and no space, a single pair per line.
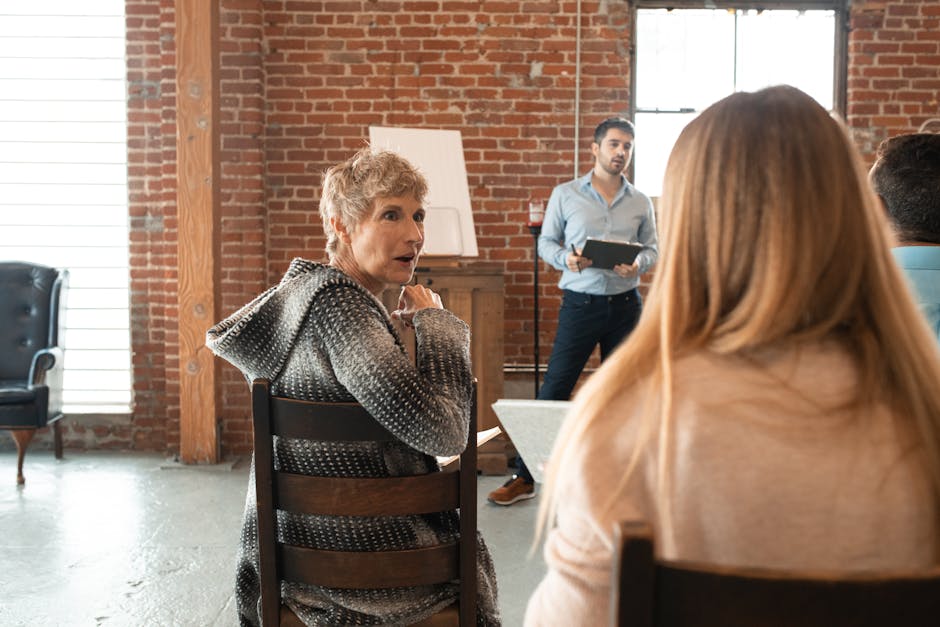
343,496
649,592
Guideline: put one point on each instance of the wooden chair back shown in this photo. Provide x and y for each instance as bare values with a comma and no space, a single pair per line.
342,496
648,593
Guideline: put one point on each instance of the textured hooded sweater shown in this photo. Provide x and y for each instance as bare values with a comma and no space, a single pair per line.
319,335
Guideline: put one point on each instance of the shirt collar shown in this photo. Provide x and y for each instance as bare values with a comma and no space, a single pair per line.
918,257
585,182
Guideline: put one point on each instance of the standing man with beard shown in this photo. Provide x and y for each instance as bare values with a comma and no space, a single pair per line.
598,306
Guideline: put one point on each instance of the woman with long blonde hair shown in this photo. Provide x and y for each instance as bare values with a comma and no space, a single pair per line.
778,404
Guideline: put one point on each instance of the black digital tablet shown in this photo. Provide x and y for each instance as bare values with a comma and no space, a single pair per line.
606,254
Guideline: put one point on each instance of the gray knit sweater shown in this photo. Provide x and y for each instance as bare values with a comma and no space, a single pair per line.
319,335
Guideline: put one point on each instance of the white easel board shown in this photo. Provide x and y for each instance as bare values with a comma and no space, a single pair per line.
448,226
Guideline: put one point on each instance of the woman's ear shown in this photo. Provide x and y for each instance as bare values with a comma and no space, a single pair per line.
341,231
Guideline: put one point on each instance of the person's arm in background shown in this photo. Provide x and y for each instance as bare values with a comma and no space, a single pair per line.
647,236
552,238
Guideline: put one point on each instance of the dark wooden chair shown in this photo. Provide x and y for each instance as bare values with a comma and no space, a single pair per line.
455,488
32,305
647,592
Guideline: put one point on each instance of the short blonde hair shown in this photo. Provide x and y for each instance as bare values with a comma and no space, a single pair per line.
351,187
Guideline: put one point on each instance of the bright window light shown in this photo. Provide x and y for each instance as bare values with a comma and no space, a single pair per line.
63,178
689,58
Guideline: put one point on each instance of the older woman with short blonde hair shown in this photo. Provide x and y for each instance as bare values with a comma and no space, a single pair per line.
323,334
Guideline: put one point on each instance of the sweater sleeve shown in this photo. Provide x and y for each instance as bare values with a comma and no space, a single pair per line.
427,404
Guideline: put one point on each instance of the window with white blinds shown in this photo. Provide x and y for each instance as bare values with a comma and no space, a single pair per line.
63,178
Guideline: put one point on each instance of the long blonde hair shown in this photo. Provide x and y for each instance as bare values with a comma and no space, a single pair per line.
770,236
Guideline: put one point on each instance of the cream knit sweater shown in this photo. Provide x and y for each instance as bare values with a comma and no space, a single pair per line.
770,468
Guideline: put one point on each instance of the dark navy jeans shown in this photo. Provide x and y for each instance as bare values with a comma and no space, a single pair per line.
585,321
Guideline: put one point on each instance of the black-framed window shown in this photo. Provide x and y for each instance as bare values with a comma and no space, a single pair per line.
689,53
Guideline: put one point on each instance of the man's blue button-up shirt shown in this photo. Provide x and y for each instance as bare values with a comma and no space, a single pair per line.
577,211
921,264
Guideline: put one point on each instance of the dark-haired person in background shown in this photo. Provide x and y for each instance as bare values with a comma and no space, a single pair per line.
906,176
599,307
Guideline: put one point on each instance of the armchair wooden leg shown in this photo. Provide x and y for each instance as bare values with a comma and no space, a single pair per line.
22,437
57,439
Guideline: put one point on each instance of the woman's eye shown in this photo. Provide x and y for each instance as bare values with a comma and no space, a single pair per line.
389,215
419,217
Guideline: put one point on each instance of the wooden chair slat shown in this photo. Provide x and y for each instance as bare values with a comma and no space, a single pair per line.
385,496
358,569
661,593
327,422
794,600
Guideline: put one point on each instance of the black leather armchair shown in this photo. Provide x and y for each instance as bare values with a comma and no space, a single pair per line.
32,301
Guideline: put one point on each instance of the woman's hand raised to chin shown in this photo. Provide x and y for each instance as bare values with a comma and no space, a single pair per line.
414,298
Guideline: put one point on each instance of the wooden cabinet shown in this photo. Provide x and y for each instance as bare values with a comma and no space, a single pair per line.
474,292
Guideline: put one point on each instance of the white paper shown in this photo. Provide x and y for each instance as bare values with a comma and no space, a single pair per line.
482,438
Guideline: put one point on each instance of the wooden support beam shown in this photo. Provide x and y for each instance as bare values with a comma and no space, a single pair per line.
197,172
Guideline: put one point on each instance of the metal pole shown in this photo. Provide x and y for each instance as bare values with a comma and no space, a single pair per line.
536,230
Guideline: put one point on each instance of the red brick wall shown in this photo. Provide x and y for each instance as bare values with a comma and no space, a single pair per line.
894,68
301,82
152,195
154,237
244,224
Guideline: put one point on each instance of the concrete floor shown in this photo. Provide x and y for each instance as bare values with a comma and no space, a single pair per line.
107,539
